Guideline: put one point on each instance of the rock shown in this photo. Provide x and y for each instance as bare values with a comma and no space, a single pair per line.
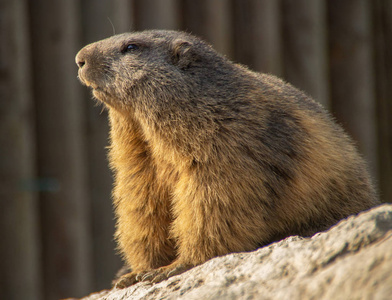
352,260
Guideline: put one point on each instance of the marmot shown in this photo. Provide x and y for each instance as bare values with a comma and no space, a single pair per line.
210,157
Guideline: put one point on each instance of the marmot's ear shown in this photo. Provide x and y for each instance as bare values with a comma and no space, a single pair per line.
182,53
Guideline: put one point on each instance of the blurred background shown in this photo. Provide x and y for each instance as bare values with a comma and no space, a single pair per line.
56,218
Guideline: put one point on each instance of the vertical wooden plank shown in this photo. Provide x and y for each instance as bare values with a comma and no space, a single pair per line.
61,150
267,42
96,26
218,25
351,73
20,276
157,14
382,15
258,34
305,46
243,33
193,17
210,20
101,19
123,14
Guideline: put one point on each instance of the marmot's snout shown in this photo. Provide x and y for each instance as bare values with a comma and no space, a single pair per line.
90,67
80,61
81,58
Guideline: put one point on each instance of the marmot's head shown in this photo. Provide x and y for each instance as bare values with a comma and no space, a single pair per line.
160,65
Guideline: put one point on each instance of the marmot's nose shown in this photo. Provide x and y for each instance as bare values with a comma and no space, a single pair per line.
80,58
80,63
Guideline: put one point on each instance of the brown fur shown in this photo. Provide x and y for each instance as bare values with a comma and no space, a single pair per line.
211,158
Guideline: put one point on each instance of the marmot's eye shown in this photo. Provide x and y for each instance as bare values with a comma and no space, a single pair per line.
130,47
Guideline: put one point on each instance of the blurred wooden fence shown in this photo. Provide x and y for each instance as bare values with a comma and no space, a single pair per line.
56,215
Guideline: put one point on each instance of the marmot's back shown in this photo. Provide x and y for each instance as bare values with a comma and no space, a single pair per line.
212,158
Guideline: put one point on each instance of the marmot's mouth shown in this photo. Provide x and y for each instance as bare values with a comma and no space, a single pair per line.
98,92
87,82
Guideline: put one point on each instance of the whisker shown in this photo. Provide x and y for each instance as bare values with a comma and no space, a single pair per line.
114,30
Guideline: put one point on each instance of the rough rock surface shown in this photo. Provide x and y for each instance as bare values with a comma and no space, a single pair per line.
352,260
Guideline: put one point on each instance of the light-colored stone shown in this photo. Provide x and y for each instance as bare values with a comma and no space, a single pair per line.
352,260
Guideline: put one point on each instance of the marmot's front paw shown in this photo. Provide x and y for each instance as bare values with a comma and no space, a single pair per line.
163,273
126,280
